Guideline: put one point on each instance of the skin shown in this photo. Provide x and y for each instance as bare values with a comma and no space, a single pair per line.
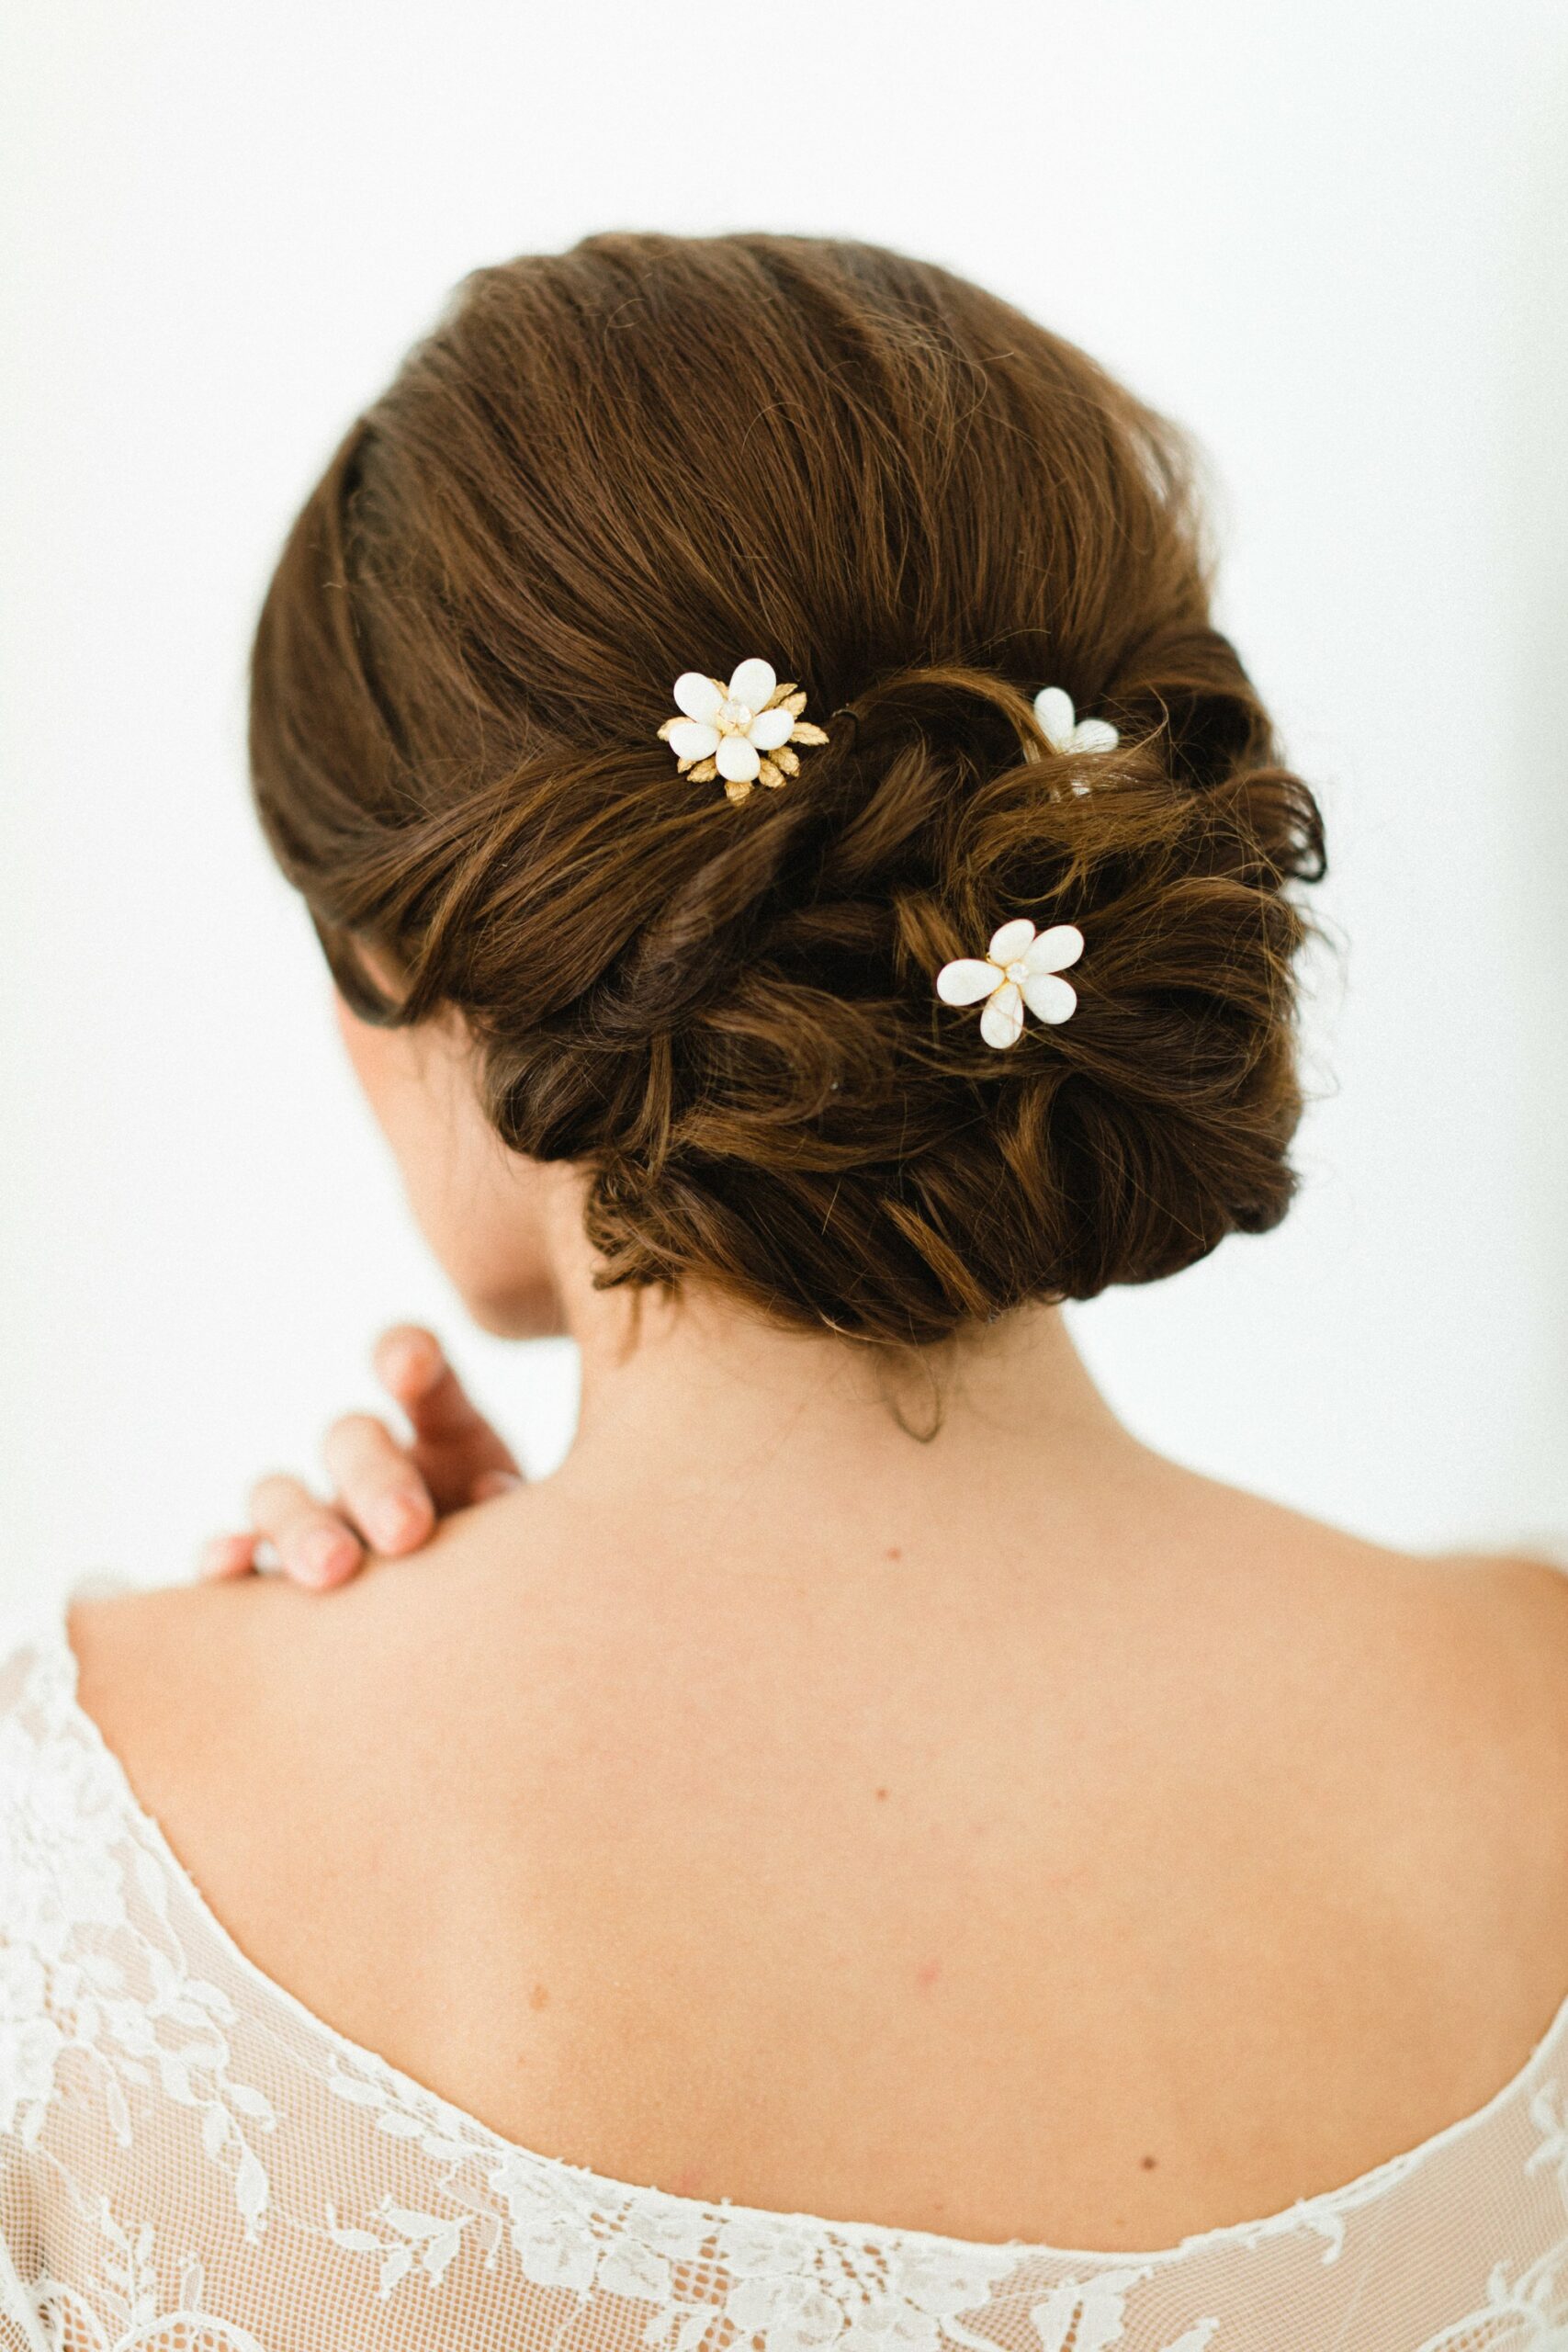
1008,1835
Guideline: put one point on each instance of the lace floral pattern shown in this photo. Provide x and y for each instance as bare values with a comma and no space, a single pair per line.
191,2162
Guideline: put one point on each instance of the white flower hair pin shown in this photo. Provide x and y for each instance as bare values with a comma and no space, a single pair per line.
1019,967
1064,731
741,732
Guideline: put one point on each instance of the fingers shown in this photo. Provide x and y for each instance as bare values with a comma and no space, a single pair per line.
312,1544
461,1457
409,1361
381,1497
227,1555
388,1493
379,1489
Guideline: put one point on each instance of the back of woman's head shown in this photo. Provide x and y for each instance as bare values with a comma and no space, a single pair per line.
653,454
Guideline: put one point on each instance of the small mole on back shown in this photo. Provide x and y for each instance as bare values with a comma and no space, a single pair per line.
894,1552
1149,2163
539,1998
926,1974
881,1795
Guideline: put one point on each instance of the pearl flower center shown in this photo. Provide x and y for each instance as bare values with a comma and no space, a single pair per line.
734,719
1017,973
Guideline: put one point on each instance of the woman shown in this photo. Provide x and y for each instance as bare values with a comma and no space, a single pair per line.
810,891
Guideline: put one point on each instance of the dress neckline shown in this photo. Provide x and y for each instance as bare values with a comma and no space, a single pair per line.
1323,2212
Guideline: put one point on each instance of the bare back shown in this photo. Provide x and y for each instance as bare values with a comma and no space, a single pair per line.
1100,1899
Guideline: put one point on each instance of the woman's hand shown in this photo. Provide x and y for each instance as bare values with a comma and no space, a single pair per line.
389,1494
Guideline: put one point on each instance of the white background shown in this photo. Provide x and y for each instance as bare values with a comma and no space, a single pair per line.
1331,234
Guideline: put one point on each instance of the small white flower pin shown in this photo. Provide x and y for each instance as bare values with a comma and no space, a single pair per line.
1064,731
1019,967
741,732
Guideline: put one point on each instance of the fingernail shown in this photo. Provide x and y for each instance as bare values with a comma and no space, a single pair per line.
216,1556
397,1519
413,1363
495,1481
324,1554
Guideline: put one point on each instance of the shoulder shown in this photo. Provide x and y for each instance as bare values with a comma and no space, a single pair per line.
1486,1634
1457,1660
1490,1672
162,1649
195,1667
1497,1647
1389,1737
1450,1711
1460,1639
209,1689
1402,1707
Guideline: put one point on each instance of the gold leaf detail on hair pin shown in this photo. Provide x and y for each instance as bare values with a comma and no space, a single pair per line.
1064,731
738,733
1019,967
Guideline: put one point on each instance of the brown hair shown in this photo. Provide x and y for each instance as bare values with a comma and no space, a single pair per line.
654,454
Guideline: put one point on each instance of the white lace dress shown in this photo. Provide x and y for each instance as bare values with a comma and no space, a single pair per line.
191,2162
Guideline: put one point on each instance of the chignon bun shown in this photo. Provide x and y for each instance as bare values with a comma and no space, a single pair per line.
653,455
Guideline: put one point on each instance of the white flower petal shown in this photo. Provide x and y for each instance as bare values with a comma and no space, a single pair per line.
752,684
1048,998
689,740
1095,735
1055,949
1001,1023
738,760
696,695
1009,943
1053,710
770,728
966,982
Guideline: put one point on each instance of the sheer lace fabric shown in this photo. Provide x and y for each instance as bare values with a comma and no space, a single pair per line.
191,2162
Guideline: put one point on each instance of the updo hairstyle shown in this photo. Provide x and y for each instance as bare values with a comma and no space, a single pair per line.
657,454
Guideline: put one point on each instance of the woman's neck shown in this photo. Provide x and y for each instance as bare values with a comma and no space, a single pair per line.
697,1400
